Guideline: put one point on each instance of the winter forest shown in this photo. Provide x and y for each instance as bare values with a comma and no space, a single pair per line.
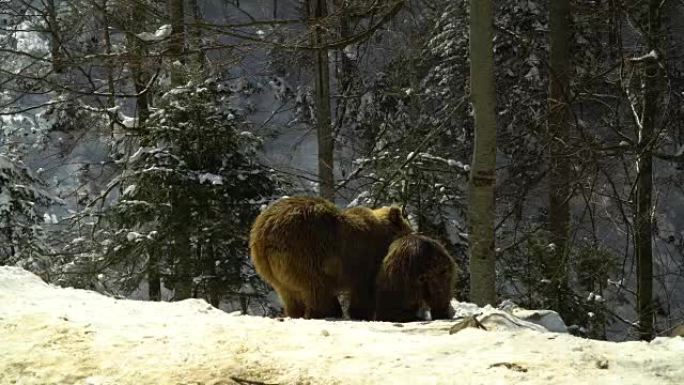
541,142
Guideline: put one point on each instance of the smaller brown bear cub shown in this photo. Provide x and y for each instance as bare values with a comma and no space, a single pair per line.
417,272
309,251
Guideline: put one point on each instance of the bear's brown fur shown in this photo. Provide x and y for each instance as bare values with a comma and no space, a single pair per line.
417,272
309,251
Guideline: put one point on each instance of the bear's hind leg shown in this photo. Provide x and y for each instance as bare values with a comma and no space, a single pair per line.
293,303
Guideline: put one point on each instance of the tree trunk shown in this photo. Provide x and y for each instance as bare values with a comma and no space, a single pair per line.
140,75
55,38
345,65
214,284
482,175
132,20
184,258
322,89
644,187
141,78
614,13
196,29
559,129
183,287
345,87
153,277
176,41
108,50
643,226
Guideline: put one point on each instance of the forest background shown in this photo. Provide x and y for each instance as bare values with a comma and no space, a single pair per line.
139,139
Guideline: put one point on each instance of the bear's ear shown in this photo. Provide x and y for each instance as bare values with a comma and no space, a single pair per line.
395,215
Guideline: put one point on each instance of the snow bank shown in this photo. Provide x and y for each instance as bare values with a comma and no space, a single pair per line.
51,335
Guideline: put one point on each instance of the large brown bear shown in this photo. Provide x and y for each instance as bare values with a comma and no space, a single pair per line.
417,272
309,251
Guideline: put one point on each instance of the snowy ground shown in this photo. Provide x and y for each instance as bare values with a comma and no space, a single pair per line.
50,335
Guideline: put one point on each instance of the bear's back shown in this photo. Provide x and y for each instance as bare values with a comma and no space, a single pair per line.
364,235
296,223
414,256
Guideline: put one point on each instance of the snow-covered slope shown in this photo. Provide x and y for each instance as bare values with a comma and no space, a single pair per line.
50,335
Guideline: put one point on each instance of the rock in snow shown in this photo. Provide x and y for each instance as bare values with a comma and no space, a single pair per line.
51,335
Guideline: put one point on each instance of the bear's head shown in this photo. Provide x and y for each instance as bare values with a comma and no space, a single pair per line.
397,223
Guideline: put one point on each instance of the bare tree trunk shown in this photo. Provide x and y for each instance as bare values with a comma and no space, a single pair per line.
559,130
613,28
643,228
108,50
184,271
184,263
153,277
132,20
141,78
345,87
346,66
176,40
55,38
643,213
322,88
214,283
482,176
197,33
135,17
183,286
244,304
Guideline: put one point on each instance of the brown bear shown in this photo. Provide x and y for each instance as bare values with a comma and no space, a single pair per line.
309,250
417,272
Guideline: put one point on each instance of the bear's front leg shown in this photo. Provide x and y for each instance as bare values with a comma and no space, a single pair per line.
362,303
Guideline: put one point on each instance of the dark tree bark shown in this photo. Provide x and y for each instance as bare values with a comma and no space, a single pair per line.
176,40
643,218
184,264
214,284
55,38
153,277
196,34
183,273
136,22
132,20
108,50
559,134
